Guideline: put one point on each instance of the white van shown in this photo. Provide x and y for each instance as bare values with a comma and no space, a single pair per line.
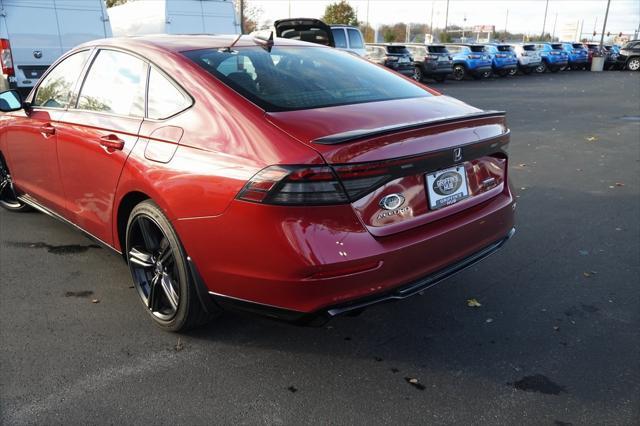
349,38
34,33
140,17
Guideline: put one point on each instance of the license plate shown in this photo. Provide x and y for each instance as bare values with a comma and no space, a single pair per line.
447,187
403,60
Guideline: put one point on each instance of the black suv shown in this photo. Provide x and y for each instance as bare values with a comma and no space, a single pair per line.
431,61
629,56
393,56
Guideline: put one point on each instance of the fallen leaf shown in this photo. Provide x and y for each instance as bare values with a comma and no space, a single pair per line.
95,301
619,184
522,165
592,138
586,274
414,382
489,320
179,346
473,303
395,370
292,389
618,229
556,328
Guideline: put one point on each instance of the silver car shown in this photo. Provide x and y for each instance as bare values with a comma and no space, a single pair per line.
528,57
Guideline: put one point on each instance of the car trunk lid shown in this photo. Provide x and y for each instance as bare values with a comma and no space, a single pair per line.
401,150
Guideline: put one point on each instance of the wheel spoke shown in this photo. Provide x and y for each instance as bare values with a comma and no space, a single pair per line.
146,229
3,185
154,293
169,291
140,258
165,256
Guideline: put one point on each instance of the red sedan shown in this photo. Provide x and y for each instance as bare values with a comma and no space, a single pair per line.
278,177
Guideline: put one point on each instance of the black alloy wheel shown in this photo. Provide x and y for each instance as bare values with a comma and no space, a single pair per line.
417,74
540,69
8,197
513,71
159,270
458,72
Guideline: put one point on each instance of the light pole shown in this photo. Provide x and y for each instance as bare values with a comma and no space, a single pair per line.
553,34
604,26
544,24
366,30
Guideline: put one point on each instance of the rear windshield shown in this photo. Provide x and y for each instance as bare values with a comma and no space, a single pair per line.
529,47
292,78
438,49
311,35
477,48
578,46
397,50
504,48
557,46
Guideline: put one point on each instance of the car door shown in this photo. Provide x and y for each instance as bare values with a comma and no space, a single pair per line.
98,134
32,137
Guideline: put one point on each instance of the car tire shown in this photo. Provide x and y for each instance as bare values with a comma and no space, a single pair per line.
633,64
542,68
8,197
160,272
458,72
417,74
512,72
483,75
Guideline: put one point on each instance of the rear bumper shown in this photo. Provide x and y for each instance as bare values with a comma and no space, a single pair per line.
318,259
399,293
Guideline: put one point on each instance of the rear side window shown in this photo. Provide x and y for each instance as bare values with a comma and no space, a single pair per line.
556,46
505,48
56,88
165,99
355,39
529,47
477,48
339,38
115,84
578,45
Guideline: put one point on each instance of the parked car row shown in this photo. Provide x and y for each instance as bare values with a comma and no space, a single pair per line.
477,61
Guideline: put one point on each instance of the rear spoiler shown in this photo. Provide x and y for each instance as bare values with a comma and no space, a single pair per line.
352,135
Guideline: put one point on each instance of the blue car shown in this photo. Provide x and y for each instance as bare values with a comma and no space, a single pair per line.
504,60
554,58
577,55
469,59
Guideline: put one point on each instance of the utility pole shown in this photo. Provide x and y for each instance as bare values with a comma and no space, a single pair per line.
506,20
289,9
604,26
241,16
366,29
544,24
553,35
431,23
446,17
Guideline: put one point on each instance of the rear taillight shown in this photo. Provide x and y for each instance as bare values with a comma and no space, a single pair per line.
475,56
5,57
391,58
294,185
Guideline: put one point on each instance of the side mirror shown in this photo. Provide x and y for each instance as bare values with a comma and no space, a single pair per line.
10,101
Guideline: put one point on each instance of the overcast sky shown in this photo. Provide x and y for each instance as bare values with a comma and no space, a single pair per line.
524,15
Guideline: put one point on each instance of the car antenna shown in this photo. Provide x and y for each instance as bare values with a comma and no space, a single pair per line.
228,48
268,41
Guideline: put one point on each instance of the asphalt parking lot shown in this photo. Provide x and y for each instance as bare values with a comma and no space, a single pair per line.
556,339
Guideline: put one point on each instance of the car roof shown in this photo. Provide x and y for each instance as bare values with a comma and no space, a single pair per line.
181,43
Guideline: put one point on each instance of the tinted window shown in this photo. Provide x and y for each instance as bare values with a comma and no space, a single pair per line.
505,48
56,88
292,78
311,35
355,39
339,38
437,49
397,50
165,99
477,48
115,84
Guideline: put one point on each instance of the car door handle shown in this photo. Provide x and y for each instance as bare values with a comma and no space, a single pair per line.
47,130
112,142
